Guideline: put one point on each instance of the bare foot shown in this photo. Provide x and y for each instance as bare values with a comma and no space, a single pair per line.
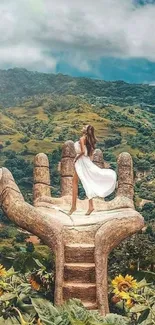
89,212
71,211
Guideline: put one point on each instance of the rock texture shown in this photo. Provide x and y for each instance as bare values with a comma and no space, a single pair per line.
41,177
81,243
125,175
98,158
67,168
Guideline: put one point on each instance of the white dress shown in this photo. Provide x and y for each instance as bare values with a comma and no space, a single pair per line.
96,181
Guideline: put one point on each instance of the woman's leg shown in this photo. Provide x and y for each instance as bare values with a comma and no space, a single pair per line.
90,208
74,192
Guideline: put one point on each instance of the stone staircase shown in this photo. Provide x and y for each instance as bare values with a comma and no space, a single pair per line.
79,274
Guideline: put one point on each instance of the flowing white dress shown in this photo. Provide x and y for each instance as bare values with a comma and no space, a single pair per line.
96,181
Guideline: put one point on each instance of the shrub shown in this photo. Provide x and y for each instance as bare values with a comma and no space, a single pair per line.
21,236
7,143
24,140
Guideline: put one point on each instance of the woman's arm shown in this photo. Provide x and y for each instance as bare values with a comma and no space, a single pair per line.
82,145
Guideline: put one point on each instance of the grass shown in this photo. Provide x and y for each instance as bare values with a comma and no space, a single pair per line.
126,148
6,121
127,130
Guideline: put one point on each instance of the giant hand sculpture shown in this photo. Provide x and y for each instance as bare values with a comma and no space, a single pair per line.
81,243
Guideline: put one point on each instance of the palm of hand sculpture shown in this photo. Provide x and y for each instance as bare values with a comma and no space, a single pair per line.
81,243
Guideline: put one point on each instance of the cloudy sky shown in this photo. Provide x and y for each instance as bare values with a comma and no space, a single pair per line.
105,39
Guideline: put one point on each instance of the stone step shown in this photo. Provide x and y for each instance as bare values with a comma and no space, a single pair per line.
79,272
90,305
84,291
80,253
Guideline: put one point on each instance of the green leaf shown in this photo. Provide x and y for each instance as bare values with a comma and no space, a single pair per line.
147,275
8,296
46,311
9,321
138,308
25,307
39,264
114,319
142,283
10,272
143,315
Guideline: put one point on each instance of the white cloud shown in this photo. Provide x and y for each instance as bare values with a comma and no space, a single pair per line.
25,56
34,31
150,83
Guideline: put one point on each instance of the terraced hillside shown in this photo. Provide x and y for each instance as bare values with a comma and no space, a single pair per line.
38,112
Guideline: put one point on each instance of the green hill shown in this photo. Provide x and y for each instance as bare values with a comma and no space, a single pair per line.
16,84
38,112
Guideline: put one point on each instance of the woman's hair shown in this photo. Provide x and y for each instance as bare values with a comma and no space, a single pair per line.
90,139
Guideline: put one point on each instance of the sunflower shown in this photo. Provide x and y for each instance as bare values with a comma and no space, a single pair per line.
121,283
123,287
3,271
124,295
130,279
129,301
118,279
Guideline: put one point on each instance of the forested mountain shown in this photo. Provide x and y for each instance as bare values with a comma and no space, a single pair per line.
20,83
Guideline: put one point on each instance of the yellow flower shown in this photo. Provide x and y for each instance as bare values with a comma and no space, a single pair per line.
116,291
124,295
129,303
118,279
131,281
121,283
3,271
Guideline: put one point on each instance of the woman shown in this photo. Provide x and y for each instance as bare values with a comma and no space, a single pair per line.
96,181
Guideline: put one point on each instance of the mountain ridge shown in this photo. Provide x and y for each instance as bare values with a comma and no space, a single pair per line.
19,83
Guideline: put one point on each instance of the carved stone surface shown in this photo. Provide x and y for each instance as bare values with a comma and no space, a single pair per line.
68,149
98,158
67,167
110,235
41,176
125,175
81,243
41,190
41,160
66,186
